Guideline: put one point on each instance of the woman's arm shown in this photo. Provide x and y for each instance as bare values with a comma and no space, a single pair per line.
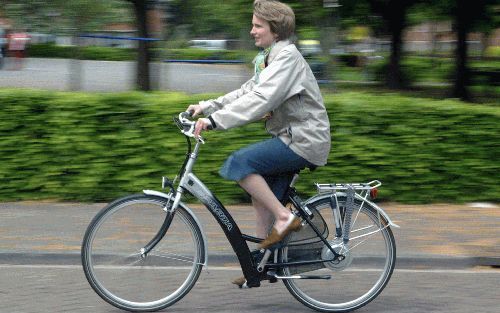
278,82
210,106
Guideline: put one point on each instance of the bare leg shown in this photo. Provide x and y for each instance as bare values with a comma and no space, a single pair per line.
264,219
257,187
266,206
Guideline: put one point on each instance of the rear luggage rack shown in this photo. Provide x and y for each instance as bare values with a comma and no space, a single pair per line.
362,189
328,188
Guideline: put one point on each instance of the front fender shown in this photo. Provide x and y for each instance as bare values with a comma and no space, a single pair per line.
188,210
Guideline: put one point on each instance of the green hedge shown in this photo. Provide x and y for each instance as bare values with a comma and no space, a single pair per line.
122,54
96,147
51,51
85,53
200,54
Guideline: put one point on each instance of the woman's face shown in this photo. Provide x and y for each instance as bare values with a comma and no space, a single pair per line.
261,32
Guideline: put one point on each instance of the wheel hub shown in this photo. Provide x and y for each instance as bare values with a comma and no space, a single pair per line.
342,262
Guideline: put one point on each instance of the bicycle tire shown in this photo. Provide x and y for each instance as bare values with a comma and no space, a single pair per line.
365,273
113,262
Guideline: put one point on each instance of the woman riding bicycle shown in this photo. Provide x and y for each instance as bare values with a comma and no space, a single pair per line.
285,93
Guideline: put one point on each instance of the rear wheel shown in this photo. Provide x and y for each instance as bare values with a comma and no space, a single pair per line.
370,258
138,257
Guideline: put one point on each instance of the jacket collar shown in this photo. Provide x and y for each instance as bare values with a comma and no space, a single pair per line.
276,49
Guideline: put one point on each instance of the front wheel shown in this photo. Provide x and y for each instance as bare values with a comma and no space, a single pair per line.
370,258
138,257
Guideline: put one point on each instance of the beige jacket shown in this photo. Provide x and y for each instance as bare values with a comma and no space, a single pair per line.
288,89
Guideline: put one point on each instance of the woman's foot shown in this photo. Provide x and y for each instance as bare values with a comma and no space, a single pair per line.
279,232
240,281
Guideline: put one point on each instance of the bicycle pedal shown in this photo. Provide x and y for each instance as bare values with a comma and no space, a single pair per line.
325,277
246,285
271,276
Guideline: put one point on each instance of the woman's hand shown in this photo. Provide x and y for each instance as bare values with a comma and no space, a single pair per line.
195,109
201,124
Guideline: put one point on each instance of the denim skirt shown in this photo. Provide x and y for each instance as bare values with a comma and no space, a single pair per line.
272,159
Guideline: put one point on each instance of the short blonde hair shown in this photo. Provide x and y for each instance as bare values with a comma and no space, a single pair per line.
279,16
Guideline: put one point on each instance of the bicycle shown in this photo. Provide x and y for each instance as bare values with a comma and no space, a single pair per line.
145,252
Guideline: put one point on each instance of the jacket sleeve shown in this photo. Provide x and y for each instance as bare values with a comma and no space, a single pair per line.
211,106
277,83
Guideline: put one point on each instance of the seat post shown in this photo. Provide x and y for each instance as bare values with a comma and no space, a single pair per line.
294,180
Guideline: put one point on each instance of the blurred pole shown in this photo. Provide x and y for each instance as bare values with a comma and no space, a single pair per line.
155,23
461,25
75,66
143,79
161,75
329,37
167,20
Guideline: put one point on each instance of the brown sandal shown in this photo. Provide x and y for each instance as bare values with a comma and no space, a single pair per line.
274,237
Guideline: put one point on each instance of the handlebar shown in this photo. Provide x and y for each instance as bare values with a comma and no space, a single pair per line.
186,114
187,125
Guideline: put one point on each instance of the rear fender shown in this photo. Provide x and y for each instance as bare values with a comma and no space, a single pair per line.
358,197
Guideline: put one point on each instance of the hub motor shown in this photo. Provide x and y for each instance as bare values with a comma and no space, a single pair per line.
339,247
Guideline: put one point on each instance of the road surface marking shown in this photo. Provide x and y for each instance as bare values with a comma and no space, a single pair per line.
234,268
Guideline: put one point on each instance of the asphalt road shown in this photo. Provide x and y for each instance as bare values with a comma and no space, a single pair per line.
60,288
438,269
107,76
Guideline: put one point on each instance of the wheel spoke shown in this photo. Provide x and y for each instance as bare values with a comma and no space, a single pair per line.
120,272
363,272
116,259
176,257
367,235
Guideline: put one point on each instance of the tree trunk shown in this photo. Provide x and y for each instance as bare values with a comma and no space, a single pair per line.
394,14
397,21
143,57
460,89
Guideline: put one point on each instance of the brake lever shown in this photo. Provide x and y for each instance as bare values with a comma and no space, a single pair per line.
188,126
186,114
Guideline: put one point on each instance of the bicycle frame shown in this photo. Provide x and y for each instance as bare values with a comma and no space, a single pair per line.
176,244
191,183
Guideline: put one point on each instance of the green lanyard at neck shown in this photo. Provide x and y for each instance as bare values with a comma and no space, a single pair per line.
260,62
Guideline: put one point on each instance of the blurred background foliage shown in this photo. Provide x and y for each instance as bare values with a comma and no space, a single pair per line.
96,147
343,23
65,16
